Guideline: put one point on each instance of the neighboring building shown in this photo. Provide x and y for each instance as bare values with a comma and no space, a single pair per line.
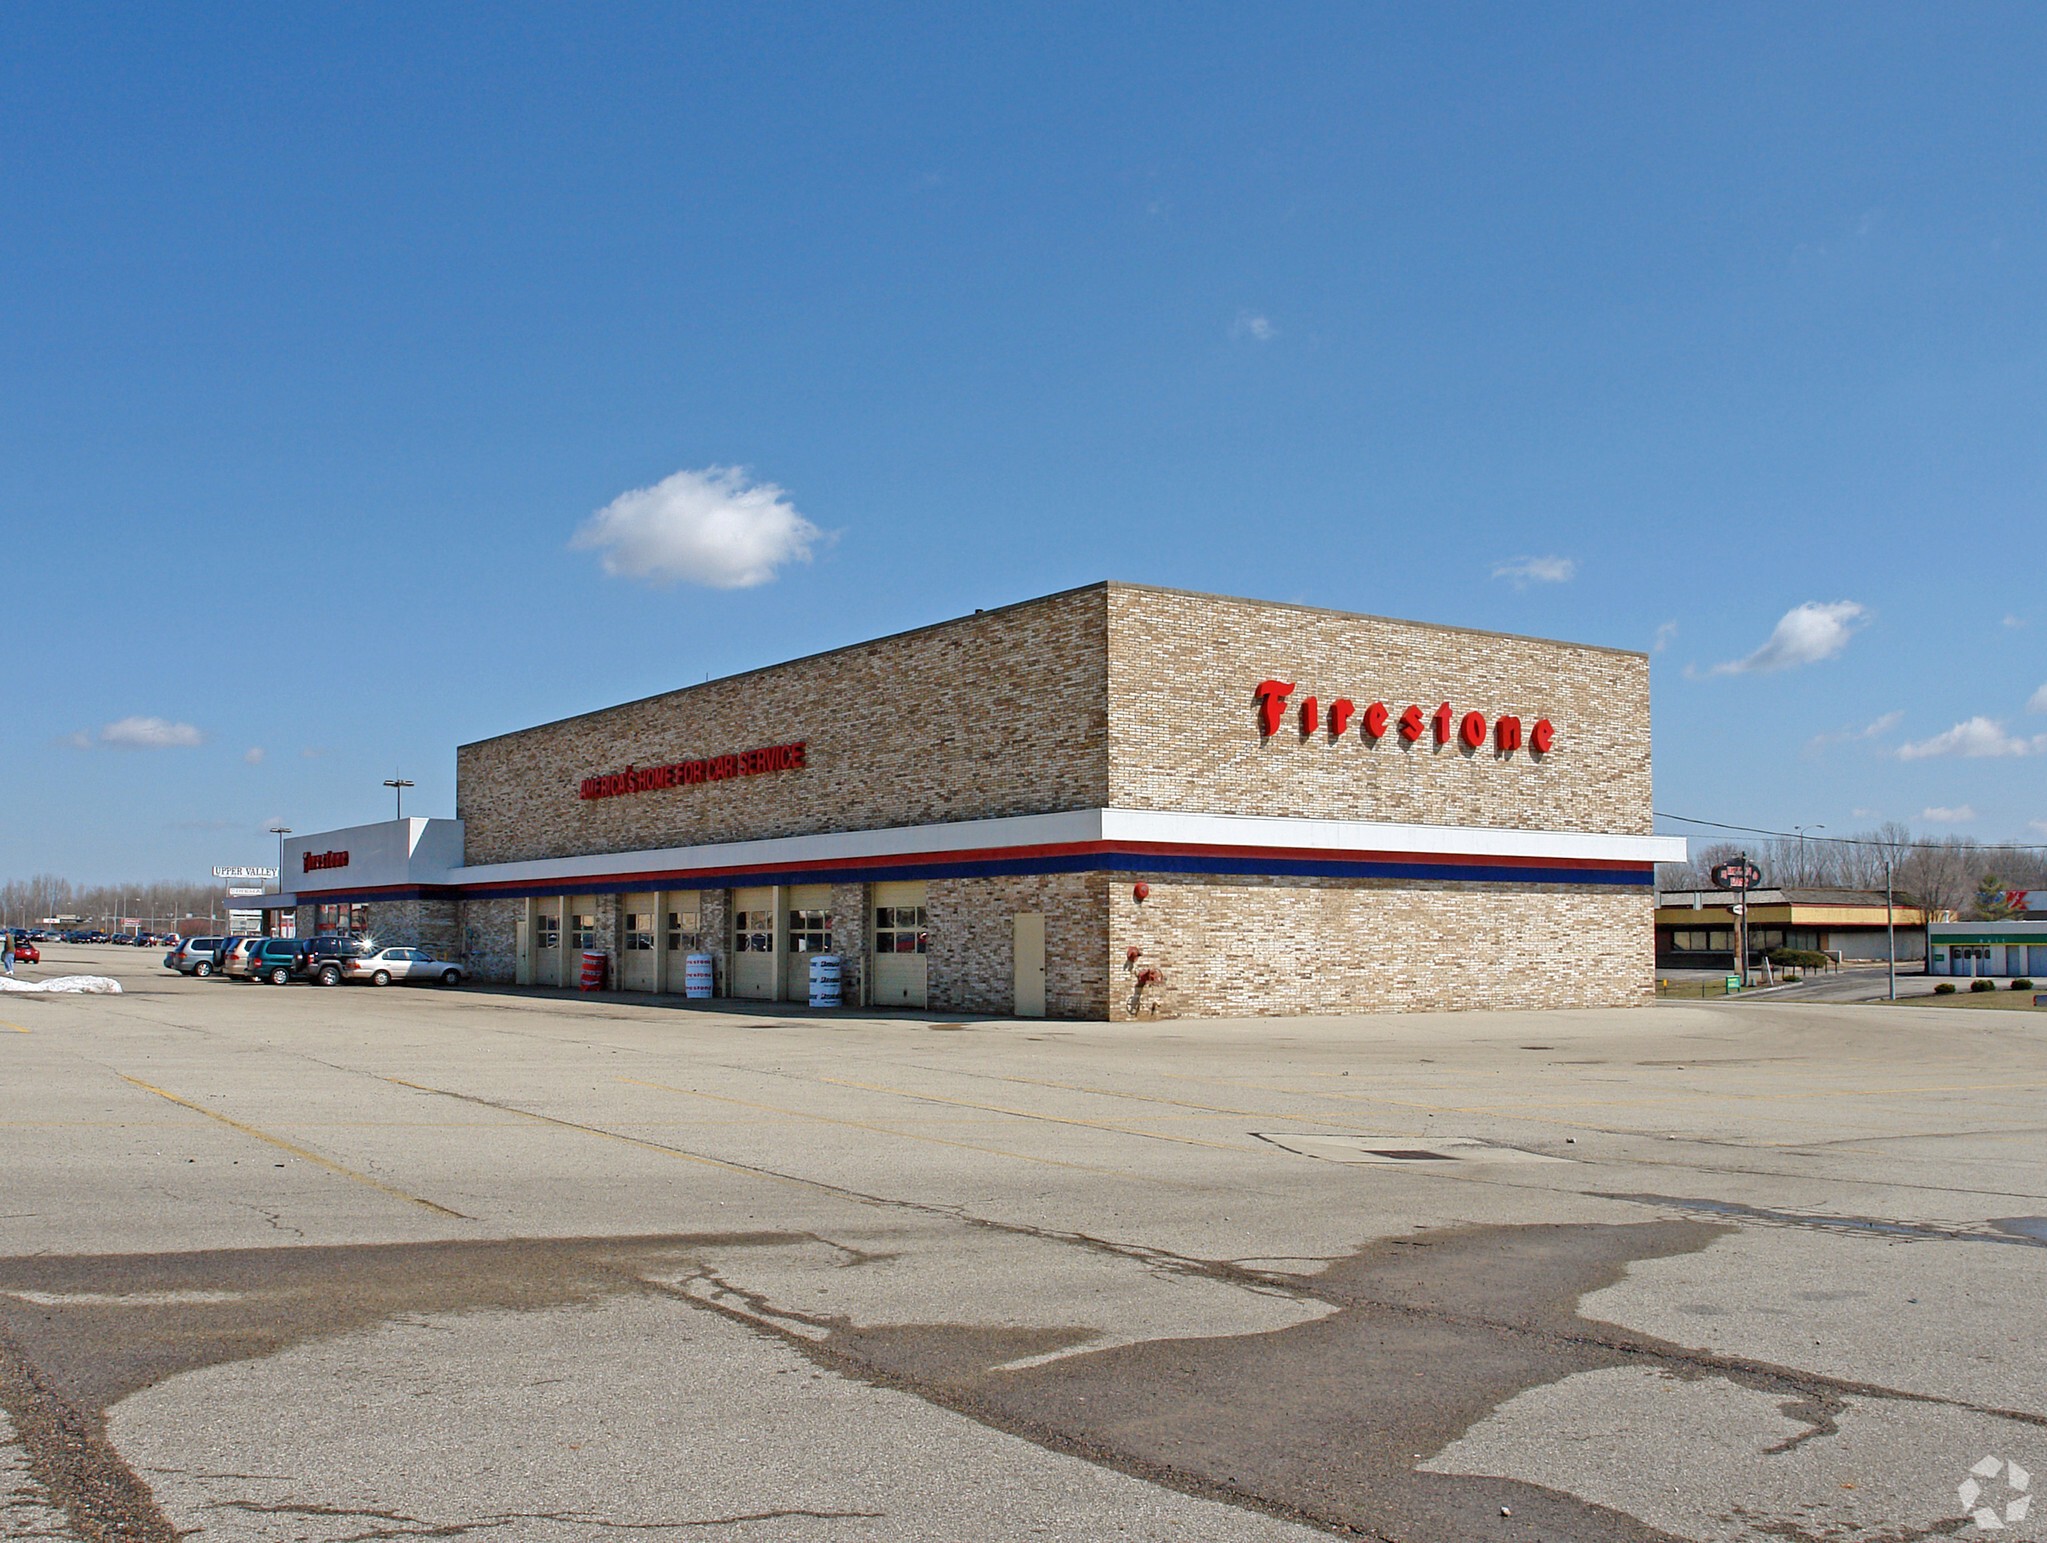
2012,948
1697,929
1110,802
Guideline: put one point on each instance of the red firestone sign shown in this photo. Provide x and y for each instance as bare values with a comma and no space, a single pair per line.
676,774
315,861
1470,730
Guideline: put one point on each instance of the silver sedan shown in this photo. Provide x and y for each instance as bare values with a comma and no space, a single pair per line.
385,965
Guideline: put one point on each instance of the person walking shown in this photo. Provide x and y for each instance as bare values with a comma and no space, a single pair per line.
7,952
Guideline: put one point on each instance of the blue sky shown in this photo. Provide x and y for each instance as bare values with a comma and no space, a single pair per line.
1717,330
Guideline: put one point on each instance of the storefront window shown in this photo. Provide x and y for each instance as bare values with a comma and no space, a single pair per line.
899,929
352,919
639,932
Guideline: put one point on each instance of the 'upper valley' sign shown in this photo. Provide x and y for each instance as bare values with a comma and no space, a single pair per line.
1469,730
676,774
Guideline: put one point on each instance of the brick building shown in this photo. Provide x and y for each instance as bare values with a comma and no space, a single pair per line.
1111,802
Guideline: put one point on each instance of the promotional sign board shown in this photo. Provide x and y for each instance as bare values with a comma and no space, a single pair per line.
1736,875
245,873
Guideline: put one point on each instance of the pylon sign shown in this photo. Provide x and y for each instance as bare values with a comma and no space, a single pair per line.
1736,875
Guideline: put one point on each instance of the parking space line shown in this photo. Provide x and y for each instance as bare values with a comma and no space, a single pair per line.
14,1026
296,1151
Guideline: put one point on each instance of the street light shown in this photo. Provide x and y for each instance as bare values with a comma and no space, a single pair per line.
280,832
1804,873
398,785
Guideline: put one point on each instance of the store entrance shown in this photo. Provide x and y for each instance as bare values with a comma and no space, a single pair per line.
754,951
808,934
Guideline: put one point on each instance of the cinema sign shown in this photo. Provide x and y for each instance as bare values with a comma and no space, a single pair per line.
1469,729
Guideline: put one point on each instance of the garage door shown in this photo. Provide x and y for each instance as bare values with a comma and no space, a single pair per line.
636,942
547,943
682,934
754,953
809,934
900,939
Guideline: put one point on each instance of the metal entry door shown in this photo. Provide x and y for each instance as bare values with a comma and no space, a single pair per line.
638,936
901,936
808,933
1030,965
547,943
755,943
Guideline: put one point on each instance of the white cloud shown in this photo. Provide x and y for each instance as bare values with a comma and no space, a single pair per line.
312,752
137,734
1977,736
2039,825
1525,571
2037,702
1805,634
1665,636
1865,814
1870,730
1249,324
2014,621
1962,814
712,527
253,755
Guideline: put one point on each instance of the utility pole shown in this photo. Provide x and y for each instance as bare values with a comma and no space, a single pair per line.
398,785
1890,924
1741,921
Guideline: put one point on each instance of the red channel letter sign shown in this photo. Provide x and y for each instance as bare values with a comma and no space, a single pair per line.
315,861
1470,729
678,774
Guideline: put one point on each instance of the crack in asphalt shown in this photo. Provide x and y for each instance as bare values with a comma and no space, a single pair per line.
417,1527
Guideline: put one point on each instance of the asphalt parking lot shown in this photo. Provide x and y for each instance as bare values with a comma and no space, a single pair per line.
346,1264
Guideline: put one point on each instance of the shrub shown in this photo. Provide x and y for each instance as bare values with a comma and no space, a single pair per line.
1945,989
1982,985
1799,958
2022,984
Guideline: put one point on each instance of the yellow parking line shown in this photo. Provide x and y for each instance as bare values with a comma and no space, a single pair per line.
14,1026
965,1146
296,1151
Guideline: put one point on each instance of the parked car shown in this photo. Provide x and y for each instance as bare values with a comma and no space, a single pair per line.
328,955
381,966
236,964
26,952
276,960
194,956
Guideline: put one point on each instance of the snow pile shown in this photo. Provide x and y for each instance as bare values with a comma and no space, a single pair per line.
98,985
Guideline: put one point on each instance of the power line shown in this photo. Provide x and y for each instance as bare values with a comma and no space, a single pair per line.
1862,841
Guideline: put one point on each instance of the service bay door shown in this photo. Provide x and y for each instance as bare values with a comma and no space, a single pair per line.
754,953
547,942
900,940
636,946
809,934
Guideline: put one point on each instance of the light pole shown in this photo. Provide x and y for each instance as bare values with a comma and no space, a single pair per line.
1804,873
280,832
1890,925
398,785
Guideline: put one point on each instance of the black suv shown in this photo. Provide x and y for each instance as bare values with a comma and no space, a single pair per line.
325,957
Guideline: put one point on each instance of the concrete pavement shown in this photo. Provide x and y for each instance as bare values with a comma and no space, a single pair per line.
351,1263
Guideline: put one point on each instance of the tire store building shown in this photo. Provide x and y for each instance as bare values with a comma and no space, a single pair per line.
1113,802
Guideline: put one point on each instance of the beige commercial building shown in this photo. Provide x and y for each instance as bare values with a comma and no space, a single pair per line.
1111,802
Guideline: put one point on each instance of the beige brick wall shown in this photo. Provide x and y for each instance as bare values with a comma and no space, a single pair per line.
994,714
1242,947
972,956
1183,727
490,939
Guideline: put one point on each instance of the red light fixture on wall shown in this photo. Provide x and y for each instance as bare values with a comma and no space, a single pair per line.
1140,891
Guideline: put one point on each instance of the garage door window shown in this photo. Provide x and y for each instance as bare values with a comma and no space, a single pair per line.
639,932
754,932
547,931
899,929
810,932
685,931
582,932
